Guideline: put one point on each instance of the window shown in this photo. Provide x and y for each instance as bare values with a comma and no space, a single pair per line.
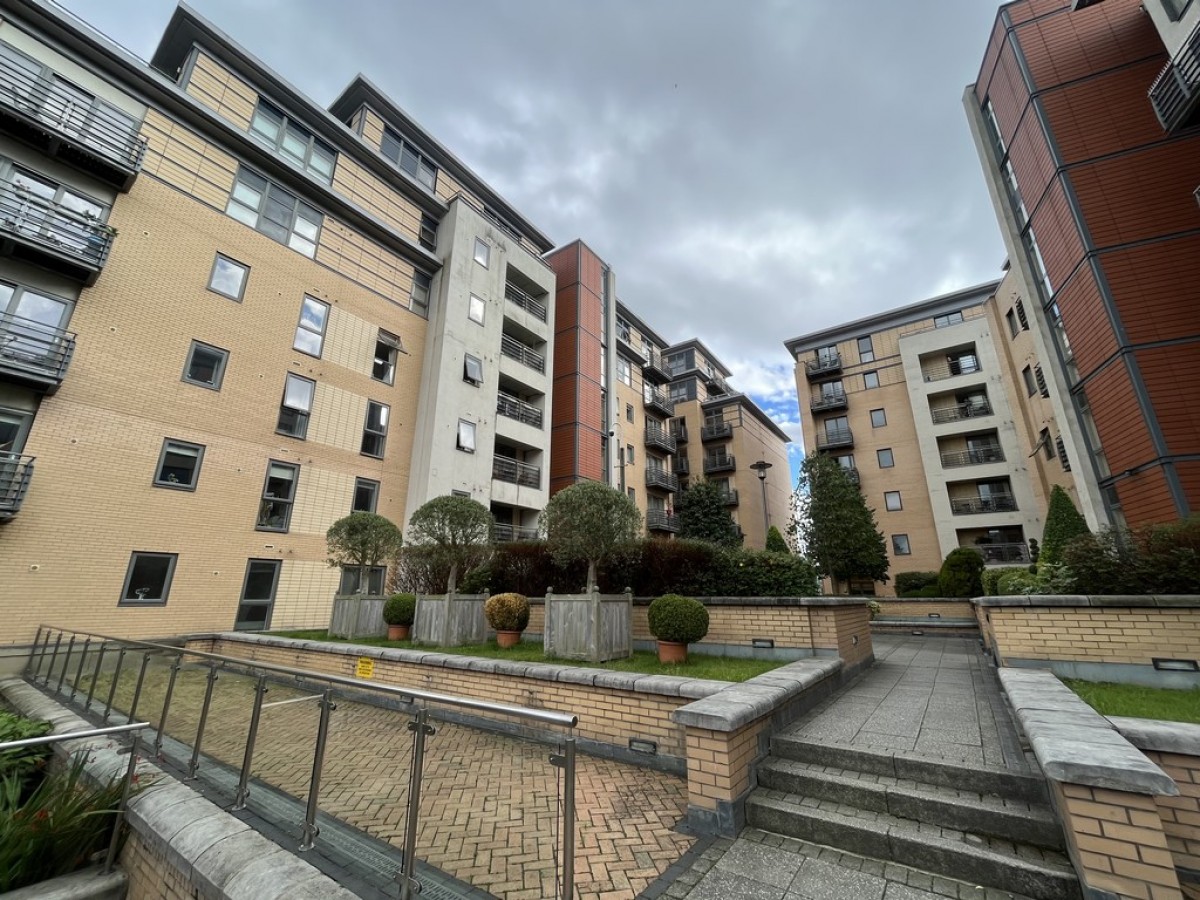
408,158
1062,453
277,213
1011,318
1044,443
205,365
387,347
943,321
871,380
310,333
472,370
228,278
1175,8
963,364
296,406
483,252
1030,384
466,436
179,465
428,233
1039,264
466,494
148,578
28,325
878,418
846,461
633,494
279,492
900,545
866,353
891,501
886,460
375,428
419,298
1040,378
624,371
629,454
628,412
258,595
827,356
476,309
366,495
294,143
1021,317
355,581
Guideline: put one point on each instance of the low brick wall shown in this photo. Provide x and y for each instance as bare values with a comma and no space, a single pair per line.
921,608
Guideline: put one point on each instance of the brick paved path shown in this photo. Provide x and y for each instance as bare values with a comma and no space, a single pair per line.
489,803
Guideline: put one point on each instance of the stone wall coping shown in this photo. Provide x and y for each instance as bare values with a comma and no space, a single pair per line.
211,849
1073,743
1165,601
661,685
740,704
1158,735
739,601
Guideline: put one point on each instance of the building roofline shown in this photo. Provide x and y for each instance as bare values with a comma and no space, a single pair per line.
696,343
626,313
754,409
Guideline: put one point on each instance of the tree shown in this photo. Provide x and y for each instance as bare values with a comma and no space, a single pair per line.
839,534
704,515
961,574
589,520
1063,522
363,540
775,541
456,533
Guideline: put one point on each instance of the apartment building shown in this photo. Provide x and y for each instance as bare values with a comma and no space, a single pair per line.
216,334
939,412
1084,116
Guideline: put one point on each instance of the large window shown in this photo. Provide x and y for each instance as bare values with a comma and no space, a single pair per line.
179,465
310,332
408,158
366,495
294,143
148,578
900,545
466,436
258,595
375,429
296,406
279,492
277,213
228,278
387,348
624,371
205,365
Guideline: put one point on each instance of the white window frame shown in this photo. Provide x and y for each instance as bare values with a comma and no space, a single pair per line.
476,309
465,440
482,252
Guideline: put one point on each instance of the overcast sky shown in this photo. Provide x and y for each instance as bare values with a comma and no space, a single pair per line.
751,170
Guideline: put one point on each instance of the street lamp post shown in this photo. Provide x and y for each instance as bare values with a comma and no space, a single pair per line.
760,468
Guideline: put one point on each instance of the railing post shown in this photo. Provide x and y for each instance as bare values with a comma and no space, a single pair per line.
119,818
62,676
87,643
33,649
33,676
194,763
420,729
566,762
243,789
162,720
53,660
95,675
112,687
137,691
311,830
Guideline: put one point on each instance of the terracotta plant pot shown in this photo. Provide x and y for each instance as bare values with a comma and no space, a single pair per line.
506,639
671,653
398,632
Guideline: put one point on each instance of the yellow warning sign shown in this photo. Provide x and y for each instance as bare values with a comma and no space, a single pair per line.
365,667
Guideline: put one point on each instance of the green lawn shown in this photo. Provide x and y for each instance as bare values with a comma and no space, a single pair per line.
1139,702
717,668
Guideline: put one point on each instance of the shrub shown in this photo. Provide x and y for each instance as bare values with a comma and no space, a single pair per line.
930,590
991,578
1017,581
676,619
874,608
1156,559
766,574
775,541
400,609
22,763
914,581
507,612
1063,523
960,575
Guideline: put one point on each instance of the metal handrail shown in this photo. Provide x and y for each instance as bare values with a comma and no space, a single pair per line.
719,463
977,457
972,505
515,408
657,518
715,430
730,497
945,414
1175,88
657,436
661,478
659,400
30,344
941,373
1014,552
514,294
822,364
38,220
832,400
514,349
835,437
514,472
502,532
15,473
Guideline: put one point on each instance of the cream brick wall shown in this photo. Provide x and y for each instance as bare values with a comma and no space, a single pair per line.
302,596
214,85
1090,634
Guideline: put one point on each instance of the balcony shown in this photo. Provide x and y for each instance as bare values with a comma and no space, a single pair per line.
833,438
967,366
69,125
661,520
515,408
659,402
716,431
680,433
954,458
1000,554
52,236
661,479
657,436
975,505
34,354
514,294
723,463
682,466
15,473
509,533
654,369
729,498
826,402
514,349
1175,93
514,472
961,412
823,366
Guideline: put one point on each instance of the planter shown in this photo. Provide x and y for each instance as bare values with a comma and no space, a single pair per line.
506,639
398,632
671,653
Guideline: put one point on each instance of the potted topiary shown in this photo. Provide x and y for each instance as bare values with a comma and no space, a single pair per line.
677,621
508,614
398,612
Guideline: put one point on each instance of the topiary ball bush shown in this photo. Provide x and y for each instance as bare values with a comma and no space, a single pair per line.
679,620
507,612
400,609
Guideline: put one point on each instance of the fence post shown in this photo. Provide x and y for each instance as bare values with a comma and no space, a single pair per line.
194,763
112,687
597,619
548,625
62,676
566,762
311,830
420,729
162,720
33,648
119,818
95,676
243,790
87,643
137,691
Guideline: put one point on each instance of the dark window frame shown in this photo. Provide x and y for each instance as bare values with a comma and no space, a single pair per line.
476,379
377,434
373,487
891,458
899,501
134,556
459,443
302,416
288,502
389,359
868,377
162,455
271,192
288,124
408,158
896,545
300,326
882,418
867,355
241,294
243,601
218,371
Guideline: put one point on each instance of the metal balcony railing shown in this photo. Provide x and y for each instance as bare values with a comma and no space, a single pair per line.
994,554
661,478
514,472
715,431
835,437
978,457
514,349
975,505
825,402
659,401
961,411
31,352
729,497
55,233
1175,93
719,464
660,520
657,436
515,408
510,533
654,368
826,364
16,471
941,373
514,294
70,125
680,433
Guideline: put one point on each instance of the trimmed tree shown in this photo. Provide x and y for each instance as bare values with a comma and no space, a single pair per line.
589,520
704,515
839,534
456,532
961,574
1063,523
775,541
363,540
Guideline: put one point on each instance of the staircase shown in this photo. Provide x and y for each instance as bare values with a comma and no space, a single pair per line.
988,827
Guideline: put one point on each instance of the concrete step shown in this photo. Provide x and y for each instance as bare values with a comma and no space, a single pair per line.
962,810
910,767
982,860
